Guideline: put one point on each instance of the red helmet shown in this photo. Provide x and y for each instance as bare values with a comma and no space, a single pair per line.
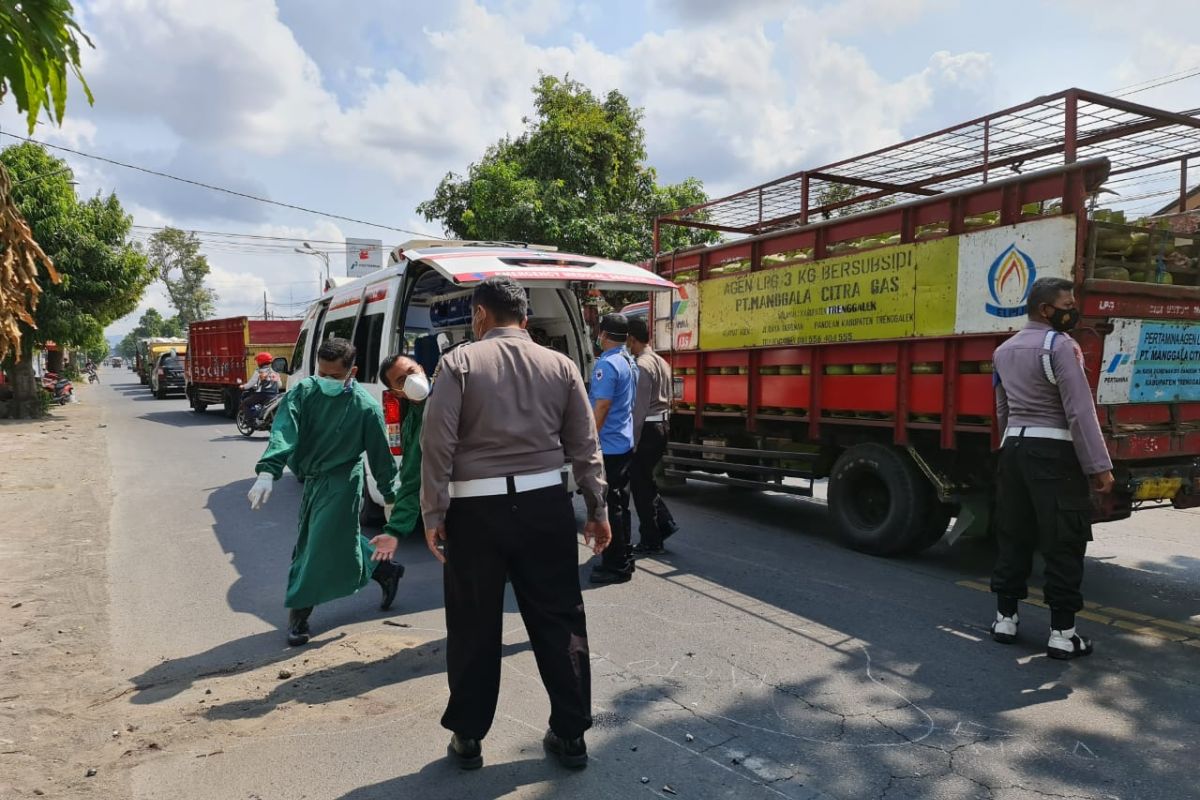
262,359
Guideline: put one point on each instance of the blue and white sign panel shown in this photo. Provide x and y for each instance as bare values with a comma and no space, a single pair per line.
1150,362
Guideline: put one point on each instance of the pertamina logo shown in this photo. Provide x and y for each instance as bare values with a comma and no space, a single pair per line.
1009,279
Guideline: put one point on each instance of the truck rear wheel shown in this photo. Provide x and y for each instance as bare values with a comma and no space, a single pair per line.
879,500
231,404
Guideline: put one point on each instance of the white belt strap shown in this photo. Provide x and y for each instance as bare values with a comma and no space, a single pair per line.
657,417
1047,363
1034,432
490,487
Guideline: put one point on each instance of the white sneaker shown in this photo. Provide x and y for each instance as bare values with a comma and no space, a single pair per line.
1004,629
1068,644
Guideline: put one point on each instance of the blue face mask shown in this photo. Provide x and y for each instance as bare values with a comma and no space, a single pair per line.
332,387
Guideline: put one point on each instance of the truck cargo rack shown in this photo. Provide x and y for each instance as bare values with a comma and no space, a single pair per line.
714,460
1072,125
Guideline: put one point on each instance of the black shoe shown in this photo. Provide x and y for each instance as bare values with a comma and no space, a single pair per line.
298,632
604,575
571,753
388,575
640,550
467,752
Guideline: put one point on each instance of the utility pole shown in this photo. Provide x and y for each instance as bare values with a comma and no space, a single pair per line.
266,314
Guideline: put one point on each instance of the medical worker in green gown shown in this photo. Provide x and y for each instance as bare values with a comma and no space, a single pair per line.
322,429
406,380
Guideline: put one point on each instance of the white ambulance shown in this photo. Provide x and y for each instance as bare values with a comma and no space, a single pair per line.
420,305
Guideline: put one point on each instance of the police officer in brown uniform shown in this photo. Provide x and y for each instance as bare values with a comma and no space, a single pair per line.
1052,445
503,416
651,408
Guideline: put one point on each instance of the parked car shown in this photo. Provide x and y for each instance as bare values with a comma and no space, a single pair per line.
167,375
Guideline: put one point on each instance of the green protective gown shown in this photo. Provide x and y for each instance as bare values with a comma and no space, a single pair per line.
322,440
406,514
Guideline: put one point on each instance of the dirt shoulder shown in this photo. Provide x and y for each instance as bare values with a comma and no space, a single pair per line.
54,510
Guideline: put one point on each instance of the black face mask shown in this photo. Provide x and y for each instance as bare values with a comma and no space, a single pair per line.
1064,319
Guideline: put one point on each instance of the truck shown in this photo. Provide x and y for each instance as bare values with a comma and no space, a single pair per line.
221,357
847,334
148,351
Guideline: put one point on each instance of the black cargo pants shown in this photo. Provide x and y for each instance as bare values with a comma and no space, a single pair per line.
618,556
529,537
1042,504
654,518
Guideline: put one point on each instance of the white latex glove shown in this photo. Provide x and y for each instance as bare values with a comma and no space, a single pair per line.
261,490
387,510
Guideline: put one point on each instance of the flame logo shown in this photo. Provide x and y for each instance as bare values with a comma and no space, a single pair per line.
1009,279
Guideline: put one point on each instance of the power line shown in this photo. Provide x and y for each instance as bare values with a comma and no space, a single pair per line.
211,187
1154,83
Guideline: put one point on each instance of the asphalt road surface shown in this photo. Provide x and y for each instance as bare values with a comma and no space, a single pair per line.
758,659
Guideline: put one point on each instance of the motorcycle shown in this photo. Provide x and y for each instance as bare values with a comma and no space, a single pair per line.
60,388
92,376
257,417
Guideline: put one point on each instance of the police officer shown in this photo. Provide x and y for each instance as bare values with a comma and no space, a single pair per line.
614,385
651,407
503,416
1052,445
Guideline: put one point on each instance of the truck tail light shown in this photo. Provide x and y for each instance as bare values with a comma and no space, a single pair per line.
393,417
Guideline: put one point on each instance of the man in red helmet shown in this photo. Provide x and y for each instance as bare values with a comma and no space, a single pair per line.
263,385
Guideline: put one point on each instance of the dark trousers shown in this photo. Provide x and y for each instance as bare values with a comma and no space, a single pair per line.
654,518
256,398
618,556
1042,504
529,538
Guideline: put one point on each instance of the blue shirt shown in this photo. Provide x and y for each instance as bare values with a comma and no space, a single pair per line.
615,379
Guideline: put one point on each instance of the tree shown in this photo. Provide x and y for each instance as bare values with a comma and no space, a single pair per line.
103,275
831,193
175,257
576,178
40,40
151,324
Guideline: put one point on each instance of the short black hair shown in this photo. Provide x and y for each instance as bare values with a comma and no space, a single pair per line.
385,367
504,298
1046,290
639,329
335,349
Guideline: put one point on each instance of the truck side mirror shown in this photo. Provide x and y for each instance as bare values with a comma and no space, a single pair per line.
280,364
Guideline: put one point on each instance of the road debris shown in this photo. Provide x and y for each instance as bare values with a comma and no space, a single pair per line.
284,674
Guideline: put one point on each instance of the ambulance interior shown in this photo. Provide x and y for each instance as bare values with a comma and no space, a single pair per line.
438,317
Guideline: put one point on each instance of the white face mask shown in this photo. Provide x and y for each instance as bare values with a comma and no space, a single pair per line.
416,387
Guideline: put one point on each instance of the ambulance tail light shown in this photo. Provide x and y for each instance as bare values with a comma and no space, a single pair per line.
392,417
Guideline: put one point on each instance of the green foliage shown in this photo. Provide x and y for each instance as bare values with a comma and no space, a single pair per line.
151,324
39,39
103,275
576,178
175,257
831,193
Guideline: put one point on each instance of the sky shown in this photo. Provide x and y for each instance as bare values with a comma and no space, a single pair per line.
359,108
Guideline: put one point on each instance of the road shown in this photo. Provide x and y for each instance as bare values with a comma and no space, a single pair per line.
757,660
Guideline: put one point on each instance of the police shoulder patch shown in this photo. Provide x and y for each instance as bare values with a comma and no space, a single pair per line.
599,374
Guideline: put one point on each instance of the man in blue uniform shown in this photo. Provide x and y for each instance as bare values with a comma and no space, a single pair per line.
612,392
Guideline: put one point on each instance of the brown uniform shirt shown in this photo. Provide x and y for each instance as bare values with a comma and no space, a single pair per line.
653,389
505,406
1025,396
